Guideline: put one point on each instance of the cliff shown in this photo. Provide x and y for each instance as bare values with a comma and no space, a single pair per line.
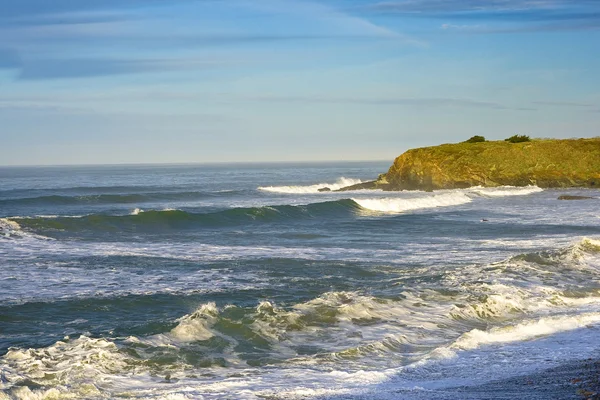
546,163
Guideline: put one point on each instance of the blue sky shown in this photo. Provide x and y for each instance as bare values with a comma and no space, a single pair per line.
140,81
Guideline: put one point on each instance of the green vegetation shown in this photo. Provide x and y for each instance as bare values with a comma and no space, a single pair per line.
476,139
542,162
518,139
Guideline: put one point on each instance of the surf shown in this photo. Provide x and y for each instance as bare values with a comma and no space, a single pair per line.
399,205
307,189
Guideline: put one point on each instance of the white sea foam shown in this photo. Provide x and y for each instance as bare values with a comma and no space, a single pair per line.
74,366
65,282
11,229
590,245
340,183
503,191
524,331
87,367
196,326
398,205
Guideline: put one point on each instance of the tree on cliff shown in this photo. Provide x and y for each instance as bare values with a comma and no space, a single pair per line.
518,139
475,139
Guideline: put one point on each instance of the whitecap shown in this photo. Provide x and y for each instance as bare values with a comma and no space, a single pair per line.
398,205
340,183
505,191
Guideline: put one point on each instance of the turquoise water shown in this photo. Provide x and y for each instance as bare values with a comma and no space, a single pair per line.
245,281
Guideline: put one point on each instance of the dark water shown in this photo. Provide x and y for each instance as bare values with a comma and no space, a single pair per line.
244,281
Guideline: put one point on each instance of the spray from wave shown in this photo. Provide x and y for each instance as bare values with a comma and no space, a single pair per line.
340,183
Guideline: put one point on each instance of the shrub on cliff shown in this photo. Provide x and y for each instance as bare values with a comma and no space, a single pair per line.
476,139
518,139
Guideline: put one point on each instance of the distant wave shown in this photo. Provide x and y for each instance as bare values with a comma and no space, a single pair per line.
126,198
340,183
142,220
397,205
170,219
173,219
503,191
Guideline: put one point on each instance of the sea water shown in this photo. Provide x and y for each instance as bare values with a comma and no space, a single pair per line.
245,282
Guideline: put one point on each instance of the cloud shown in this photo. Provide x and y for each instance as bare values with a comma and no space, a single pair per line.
477,6
563,104
410,102
12,106
10,10
9,59
91,38
97,67
522,28
81,68
465,28
524,15
338,21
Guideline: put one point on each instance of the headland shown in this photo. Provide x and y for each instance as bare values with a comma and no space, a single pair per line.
546,163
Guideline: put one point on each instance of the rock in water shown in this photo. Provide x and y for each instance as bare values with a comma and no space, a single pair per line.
569,197
325,189
360,186
546,163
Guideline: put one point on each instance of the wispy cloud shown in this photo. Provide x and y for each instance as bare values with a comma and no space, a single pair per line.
336,20
514,15
67,39
430,102
464,28
90,67
27,9
563,104
478,6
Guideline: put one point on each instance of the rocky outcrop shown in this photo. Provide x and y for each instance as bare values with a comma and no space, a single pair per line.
569,197
546,163
359,186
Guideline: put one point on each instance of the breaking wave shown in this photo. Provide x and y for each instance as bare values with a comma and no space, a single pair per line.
519,299
170,219
524,331
504,191
10,229
340,183
398,205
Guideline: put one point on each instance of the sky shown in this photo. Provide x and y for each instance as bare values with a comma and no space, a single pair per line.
181,81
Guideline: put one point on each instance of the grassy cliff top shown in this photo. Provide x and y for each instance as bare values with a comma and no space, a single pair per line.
549,162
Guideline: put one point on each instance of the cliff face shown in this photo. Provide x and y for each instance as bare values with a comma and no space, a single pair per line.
545,163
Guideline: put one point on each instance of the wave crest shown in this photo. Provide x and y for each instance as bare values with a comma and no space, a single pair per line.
398,205
10,229
504,191
340,183
196,326
153,220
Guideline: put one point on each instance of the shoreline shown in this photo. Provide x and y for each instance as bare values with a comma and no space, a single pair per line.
573,380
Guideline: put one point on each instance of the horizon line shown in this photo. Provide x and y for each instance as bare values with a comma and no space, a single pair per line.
133,164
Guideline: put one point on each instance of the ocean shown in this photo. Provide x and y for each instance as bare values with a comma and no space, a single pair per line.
243,281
